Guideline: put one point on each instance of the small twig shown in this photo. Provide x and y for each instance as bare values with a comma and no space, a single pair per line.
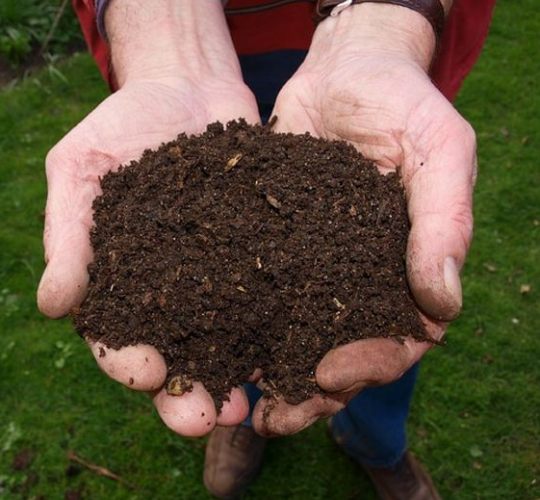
54,25
101,471
381,212
272,122
431,340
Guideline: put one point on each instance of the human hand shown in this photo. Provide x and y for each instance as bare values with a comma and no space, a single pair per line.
365,81
163,92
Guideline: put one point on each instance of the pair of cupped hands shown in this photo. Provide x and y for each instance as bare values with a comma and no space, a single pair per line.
381,102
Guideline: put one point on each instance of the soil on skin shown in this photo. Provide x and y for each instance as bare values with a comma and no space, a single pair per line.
241,249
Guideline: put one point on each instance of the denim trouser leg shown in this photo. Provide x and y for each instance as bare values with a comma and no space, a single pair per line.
372,428
253,394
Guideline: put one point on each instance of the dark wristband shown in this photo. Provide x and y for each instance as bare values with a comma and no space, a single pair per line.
432,10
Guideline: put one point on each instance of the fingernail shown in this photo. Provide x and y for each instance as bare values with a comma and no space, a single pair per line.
452,282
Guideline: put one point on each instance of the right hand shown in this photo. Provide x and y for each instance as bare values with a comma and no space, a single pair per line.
141,115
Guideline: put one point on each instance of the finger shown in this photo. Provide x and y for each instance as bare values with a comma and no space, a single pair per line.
192,414
367,362
440,209
255,376
139,367
234,411
275,417
68,218
65,279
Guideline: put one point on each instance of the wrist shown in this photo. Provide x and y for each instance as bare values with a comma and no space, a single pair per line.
379,29
166,39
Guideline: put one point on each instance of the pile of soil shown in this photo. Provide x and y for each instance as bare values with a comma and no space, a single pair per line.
241,249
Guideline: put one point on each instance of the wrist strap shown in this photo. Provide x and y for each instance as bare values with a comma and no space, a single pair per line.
432,10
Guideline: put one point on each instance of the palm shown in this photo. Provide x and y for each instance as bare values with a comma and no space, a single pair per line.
389,110
137,117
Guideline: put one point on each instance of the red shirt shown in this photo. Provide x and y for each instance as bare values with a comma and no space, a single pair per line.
291,27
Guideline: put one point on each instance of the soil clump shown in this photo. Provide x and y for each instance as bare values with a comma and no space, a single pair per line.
241,249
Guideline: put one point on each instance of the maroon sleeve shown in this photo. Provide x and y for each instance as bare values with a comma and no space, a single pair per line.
464,36
96,45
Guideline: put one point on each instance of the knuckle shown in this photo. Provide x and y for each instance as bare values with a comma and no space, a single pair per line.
463,221
54,157
462,132
467,137
326,378
387,375
469,134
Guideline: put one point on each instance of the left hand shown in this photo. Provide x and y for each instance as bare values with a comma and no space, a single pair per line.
369,86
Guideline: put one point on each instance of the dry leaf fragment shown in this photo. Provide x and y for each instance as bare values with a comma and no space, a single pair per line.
146,299
273,201
240,288
490,267
207,284
179,385
475,451
338,303
23,460
232,162
353,212
178,272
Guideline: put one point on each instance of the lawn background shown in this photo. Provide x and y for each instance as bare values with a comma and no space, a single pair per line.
475,421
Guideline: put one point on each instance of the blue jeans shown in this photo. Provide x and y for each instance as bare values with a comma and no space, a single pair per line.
372,428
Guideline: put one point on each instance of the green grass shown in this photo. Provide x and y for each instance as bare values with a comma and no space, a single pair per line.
25,25
475,419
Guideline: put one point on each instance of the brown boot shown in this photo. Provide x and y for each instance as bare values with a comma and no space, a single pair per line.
233,460
407,480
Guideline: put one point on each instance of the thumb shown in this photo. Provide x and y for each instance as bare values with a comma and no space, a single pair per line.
68,218
440,210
